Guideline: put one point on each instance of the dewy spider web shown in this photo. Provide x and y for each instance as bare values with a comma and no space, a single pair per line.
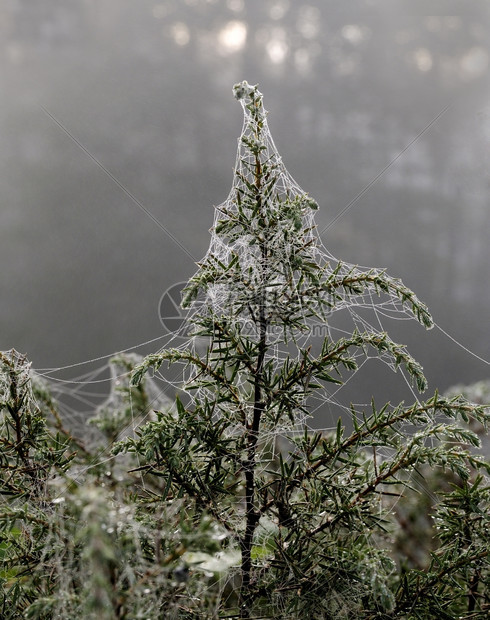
265,262
267,284
362,306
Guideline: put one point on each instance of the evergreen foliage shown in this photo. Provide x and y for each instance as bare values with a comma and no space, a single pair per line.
228,504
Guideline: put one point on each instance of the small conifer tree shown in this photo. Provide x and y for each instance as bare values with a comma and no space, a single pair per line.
311,516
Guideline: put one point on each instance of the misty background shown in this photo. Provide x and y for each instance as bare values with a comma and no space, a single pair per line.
382,105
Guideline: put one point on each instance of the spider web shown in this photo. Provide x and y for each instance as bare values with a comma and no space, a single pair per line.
275,282
291,212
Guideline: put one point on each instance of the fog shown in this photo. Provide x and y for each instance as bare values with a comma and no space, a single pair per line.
119,133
